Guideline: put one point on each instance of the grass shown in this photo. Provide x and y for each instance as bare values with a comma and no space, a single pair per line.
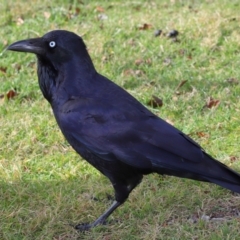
45,186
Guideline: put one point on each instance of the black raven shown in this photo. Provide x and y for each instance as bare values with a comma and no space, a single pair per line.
109,128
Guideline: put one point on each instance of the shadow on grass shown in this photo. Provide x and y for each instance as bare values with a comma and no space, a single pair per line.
48,209
38,209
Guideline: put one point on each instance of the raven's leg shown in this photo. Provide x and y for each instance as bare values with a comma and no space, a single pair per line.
121,194
100,220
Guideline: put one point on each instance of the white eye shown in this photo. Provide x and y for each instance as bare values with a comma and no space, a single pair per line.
52,44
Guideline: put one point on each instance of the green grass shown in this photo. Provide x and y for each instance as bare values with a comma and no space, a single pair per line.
45,185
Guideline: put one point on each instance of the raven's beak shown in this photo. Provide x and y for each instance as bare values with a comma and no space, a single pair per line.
34,45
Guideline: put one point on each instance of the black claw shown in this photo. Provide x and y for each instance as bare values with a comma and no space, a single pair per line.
83,227
87,226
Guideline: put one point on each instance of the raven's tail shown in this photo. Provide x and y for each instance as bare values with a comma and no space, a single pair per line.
207,170
226,177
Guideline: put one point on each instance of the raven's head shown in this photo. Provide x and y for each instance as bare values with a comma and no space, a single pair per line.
62,56
56,46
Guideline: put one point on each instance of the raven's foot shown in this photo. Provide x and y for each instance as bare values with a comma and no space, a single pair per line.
101,220
81,227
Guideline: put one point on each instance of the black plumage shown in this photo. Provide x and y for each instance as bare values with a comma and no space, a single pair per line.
110,128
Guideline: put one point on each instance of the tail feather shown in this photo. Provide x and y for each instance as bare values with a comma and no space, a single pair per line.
208,170
226,177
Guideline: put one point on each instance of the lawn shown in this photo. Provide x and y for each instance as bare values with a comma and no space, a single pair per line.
45,187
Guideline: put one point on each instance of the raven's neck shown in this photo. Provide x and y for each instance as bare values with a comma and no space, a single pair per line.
72,79
47,76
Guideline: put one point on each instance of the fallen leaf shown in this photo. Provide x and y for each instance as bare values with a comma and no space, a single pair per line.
202,134
232,81
145,26
131,72
139,61
212,102
47,15
139,72
100,9
181,84
137,8
155,102
3,69
206,191
77,10
128,72
11,94
20,21
165,224
233,159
